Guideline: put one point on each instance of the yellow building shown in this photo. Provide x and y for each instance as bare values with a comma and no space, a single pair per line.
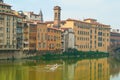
54,39
48,38
94,69
10,28
90,35
41,43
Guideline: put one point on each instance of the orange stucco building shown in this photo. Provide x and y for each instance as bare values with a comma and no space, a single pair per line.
48,38
54,39
30,32
41,42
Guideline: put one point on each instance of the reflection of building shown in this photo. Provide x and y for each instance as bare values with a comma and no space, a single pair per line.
88,69
10,39
68,71
96,69
114,68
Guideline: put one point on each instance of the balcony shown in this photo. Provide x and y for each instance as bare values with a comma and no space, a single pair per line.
62,41
26,42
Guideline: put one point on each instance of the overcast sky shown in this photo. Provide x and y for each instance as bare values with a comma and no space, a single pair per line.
105,11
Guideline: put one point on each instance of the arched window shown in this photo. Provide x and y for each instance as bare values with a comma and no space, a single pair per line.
55,15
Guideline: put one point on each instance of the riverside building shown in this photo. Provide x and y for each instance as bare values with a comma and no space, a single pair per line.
31,23
41,44
90,35
68,39
10,28
48,38
114,38
31,16
30,32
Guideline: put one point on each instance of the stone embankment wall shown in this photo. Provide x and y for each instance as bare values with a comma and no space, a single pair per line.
14,54
18,54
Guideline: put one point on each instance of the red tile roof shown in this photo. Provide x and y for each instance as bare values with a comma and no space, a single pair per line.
53,21
69,19
96,23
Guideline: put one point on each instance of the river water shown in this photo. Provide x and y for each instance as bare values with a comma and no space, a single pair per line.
84,69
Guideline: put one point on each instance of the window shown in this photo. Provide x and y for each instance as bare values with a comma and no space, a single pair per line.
38,36
8,30
1,41
95,36
19,30
91,31
90,46
54,38
99,38
44,45
59,15
1,28
99,44
1,34
91,42
99,33
107,34
55,15
91,36
103,34
39,45
95,31
48,37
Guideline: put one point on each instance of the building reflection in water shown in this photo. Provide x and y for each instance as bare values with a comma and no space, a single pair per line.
88,69
114,68
94,69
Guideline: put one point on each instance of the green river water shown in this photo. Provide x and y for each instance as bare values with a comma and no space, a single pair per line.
86,69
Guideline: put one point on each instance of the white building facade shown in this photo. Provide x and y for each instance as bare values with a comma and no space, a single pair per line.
68,39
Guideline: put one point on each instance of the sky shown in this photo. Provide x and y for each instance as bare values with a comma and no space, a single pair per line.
105,11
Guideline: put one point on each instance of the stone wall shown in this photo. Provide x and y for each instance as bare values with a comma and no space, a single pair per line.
14,54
